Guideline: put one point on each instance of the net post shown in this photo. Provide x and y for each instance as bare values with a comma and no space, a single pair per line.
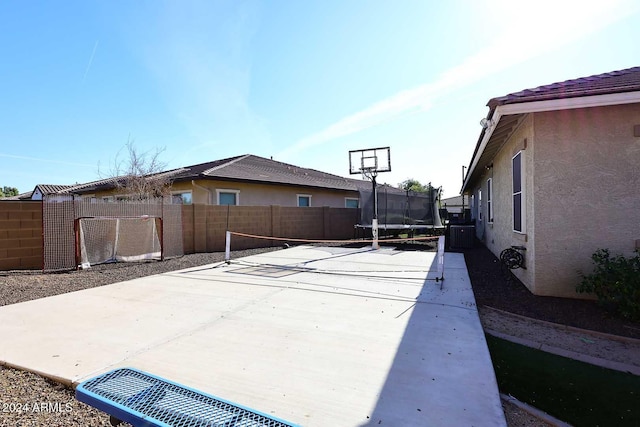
374,233
227,247
374,220
440,260
76,232
160,226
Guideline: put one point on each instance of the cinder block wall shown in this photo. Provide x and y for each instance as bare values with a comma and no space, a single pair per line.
20,235
205,225
187,229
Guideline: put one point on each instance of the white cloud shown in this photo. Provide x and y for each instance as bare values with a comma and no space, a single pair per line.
526,31
39,159
93,53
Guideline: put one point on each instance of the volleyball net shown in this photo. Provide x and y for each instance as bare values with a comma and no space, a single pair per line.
424,243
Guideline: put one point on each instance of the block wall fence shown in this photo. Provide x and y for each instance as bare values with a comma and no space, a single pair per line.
20,235
203,228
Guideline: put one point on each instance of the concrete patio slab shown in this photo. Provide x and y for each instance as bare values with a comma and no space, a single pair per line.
316,336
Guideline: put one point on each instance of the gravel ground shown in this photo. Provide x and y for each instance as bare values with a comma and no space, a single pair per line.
30,400
517,417
550,335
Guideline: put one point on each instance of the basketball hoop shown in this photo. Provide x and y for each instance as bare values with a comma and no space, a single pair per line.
369,173
369,163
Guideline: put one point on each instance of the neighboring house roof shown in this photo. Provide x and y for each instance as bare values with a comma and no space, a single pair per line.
21,196
455,201
43,189
51,188
246,168
250,168
506,112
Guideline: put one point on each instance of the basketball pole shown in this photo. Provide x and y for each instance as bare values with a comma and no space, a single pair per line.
374,220
369,168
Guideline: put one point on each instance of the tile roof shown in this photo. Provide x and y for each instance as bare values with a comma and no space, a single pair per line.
51,188
614,82
21,196
258,169
627,80
246,168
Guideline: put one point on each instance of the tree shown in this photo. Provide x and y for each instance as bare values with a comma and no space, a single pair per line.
139,175
8,191
414,185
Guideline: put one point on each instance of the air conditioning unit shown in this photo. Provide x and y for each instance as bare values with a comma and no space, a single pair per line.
462,236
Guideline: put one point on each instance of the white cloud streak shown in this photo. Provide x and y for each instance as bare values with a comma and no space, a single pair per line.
507,51
86,71
38,159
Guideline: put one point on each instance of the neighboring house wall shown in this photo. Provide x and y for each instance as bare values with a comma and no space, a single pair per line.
455,204
256,194
500,235
36,195
587,191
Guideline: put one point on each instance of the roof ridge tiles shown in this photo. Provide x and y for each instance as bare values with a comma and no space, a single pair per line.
231,161
624,80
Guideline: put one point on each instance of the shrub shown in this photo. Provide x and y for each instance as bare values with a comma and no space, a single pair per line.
616,282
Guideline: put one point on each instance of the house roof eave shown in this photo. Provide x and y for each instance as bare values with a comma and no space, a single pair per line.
569,103
347,187
498,111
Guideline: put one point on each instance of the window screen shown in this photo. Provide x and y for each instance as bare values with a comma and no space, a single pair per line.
227,199
304,201
518,213
351,203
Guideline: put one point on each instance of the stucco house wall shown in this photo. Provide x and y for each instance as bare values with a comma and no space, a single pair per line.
587,191
581,140
254,194
582,192
499,234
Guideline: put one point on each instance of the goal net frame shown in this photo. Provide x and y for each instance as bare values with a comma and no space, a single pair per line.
112,245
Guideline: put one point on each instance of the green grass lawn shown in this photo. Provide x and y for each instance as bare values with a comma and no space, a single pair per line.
572,391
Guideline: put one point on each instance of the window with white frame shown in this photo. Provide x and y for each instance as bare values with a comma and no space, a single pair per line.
518,193
228,197
479,204
490,200
350,202
304,200
182,197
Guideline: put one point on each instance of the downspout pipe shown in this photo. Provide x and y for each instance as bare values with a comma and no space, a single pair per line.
208,190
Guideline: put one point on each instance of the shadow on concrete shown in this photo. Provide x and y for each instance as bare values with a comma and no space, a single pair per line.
441,374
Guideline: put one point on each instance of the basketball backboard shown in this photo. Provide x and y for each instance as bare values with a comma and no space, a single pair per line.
370,161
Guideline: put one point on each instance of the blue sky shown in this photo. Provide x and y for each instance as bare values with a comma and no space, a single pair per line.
302,81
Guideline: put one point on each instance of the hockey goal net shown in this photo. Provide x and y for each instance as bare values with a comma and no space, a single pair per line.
117,239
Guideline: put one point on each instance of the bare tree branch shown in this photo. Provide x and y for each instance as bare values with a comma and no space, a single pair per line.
139,175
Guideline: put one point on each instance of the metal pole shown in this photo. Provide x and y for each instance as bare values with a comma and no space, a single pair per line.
374,221
227,247
464,217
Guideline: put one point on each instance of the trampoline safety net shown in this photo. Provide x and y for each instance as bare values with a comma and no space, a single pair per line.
397,206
